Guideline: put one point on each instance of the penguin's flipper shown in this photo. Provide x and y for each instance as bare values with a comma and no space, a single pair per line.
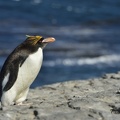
7,79
13,71
12,77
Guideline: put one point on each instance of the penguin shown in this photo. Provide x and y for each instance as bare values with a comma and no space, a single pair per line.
20,70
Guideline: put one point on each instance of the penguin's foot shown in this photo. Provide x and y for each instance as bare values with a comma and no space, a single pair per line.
23,104
5,108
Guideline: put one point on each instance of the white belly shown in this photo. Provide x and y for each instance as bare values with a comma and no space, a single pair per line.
29,71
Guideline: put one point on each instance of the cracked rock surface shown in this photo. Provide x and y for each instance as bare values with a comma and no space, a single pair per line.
97,99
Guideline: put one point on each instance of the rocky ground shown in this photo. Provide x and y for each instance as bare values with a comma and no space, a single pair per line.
97,99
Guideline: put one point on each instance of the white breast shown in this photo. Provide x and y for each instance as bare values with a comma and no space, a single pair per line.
29,70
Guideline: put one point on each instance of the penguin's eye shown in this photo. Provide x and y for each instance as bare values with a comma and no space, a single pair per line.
42,39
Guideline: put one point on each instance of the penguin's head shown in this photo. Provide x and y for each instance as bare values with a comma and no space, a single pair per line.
39,40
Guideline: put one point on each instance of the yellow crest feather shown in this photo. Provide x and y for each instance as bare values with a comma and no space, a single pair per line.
35,39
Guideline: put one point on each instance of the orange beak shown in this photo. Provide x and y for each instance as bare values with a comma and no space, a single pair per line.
48,40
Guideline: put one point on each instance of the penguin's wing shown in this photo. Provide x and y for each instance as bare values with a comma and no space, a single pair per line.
11,67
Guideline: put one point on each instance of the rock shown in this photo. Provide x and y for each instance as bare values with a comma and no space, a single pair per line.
97,99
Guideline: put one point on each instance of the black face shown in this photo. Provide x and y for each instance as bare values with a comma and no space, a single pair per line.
40,43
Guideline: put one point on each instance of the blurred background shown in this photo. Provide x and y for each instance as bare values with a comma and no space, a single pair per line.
87,36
